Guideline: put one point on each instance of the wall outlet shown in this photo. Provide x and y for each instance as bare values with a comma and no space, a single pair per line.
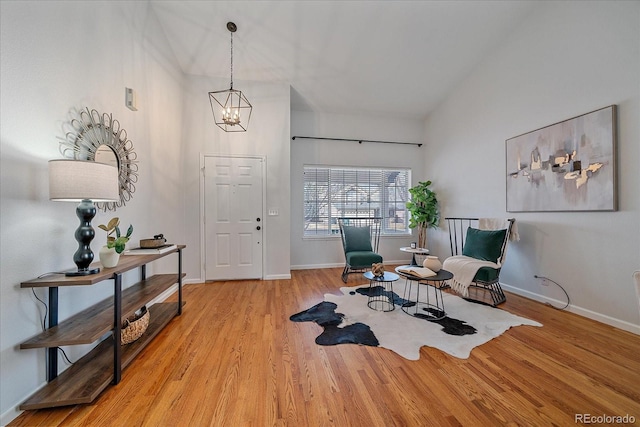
543,280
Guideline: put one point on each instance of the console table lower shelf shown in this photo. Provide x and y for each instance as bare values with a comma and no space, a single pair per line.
83,382
89,376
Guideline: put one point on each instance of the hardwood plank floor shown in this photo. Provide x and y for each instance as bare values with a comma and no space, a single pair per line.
234,358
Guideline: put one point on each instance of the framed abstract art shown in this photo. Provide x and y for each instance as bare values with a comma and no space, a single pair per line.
567,166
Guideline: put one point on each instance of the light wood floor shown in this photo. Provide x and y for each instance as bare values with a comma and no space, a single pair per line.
234,358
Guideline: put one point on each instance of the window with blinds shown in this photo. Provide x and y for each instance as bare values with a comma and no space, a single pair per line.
334,192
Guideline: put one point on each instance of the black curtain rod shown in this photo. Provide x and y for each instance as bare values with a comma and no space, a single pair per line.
359,141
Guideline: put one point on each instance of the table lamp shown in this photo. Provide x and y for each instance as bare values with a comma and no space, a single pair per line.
85,182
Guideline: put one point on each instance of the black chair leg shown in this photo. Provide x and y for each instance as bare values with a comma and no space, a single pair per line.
494,290
496,293
345,274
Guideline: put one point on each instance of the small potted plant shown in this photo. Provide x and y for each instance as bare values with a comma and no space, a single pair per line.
110,253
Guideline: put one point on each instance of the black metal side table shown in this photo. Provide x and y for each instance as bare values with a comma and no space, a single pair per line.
381,291
426,308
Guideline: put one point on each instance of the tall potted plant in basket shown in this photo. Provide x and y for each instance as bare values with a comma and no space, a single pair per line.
424,211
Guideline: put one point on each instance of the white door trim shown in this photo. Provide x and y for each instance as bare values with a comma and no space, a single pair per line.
202,212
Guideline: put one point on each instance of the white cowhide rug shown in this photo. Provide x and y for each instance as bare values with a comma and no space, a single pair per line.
465,326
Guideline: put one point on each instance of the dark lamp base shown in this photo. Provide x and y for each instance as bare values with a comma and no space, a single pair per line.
86,272
84,235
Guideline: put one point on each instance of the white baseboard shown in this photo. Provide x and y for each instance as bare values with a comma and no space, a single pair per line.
314,266
163,296
589,314
277,277
172,290
13,413
269,277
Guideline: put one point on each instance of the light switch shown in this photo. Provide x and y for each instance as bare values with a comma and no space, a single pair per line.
273,212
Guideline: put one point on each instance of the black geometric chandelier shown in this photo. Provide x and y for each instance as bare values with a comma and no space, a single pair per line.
231,109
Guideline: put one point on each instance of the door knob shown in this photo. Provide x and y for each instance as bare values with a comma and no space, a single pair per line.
258,228
258,219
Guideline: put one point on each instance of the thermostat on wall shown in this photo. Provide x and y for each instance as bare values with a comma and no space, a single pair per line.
130,99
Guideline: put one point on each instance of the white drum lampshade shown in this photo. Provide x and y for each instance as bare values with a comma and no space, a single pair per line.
76,180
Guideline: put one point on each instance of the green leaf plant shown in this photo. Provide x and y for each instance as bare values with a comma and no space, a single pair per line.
424,211
118,241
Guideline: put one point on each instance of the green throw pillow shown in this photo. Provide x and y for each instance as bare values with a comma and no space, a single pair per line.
484,244
357,238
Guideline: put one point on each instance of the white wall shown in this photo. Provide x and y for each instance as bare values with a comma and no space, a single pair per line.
57,57
327,252
267,135
567,59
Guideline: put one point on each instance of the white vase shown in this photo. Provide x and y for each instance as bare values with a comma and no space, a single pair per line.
109,257
432,263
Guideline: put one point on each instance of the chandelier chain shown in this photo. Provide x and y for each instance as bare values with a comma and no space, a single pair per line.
233,105
231,60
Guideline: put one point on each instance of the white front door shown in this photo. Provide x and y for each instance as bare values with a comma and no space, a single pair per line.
233,217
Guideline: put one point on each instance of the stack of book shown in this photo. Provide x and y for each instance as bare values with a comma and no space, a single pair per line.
150,251
420,272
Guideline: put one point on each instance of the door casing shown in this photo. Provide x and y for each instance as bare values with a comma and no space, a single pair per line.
202,207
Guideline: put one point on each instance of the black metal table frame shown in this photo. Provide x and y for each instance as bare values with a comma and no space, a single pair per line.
425,309
52,352
380,298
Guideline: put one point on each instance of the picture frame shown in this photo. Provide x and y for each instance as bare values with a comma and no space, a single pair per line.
566,166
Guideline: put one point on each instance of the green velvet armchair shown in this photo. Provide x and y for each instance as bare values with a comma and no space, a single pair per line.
360,239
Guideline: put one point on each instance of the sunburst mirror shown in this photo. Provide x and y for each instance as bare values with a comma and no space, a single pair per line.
98,137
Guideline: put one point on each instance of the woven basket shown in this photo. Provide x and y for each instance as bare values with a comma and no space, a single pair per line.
135,326
152,243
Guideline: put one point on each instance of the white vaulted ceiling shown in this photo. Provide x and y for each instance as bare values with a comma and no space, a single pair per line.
397,58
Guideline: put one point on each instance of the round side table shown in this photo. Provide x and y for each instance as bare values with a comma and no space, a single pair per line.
381,291
414,252
426,307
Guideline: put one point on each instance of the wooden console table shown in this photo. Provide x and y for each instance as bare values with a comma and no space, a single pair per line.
90,375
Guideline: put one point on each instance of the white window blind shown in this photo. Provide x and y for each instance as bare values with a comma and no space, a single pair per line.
334,192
